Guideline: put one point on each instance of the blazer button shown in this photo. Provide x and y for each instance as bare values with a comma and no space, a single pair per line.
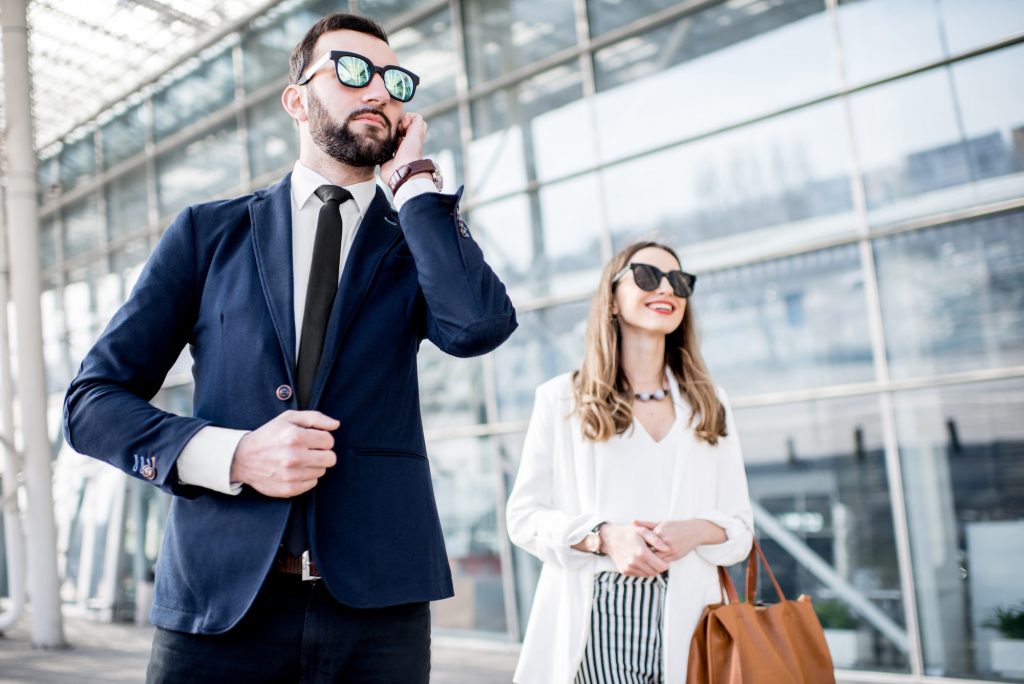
284,392
148,471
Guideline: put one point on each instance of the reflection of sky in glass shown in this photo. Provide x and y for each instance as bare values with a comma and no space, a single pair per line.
881,37
953,297
775,172
764,72
427,50
786,324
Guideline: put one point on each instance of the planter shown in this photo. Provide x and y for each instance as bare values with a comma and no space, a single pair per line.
1007,657
847,646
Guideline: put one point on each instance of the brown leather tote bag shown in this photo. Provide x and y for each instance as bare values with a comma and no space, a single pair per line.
743,643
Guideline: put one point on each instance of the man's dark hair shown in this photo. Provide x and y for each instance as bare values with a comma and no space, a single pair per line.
302,55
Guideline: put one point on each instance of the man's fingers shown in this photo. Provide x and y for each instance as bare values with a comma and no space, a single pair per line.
312,419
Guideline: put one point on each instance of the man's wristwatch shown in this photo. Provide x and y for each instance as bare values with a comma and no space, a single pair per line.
593,540
403,173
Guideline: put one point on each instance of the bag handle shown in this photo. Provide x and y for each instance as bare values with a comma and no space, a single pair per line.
730,589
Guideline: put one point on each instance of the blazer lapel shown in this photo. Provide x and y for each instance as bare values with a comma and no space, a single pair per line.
687,447
378,232
271,216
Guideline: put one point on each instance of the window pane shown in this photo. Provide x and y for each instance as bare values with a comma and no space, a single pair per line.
48,241
83,228
528,241
265,51
786,324
384,11
922,152
786,179
707,70
273,138
128,202
77,162
992,116
547,342
881,37
467,489
536,129
207,88
605,15
55,349
953,297
124,136
501,37
427,49
818,481
962,453
444,146
451,389
199,170
968,23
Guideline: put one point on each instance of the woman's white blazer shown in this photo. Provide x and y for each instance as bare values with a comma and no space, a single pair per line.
552,507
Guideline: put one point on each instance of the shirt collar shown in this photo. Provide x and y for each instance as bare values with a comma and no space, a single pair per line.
305,181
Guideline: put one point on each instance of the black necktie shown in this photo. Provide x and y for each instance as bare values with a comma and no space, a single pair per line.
320,293
322,287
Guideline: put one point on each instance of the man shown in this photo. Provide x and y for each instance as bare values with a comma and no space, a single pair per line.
303,542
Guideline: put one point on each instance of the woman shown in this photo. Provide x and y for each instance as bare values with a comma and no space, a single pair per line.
631,488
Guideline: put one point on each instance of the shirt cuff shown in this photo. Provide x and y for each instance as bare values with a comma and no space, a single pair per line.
413,187
206,459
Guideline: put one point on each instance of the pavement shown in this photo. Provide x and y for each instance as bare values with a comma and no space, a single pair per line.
105,652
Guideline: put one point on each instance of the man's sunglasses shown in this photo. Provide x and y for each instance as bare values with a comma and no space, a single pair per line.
648,277
355,71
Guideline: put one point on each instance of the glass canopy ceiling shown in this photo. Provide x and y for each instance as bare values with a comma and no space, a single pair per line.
87,54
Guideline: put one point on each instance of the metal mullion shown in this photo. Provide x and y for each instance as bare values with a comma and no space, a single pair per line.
876,332
241,113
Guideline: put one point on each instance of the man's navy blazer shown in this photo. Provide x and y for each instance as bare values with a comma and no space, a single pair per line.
220,280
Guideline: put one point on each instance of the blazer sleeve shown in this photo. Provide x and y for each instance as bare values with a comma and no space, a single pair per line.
533,521
733,511
107,410
468,311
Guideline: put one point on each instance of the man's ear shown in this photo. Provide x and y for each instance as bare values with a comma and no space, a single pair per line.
294,103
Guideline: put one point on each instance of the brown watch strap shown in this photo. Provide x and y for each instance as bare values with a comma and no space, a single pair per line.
403,173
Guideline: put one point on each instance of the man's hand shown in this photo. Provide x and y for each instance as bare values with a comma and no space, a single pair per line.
680,537
412,131
627,546
287,455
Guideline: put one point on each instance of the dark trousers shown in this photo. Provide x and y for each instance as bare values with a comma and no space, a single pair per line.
296,632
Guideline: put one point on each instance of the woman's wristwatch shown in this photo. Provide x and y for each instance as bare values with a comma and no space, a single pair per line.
593,540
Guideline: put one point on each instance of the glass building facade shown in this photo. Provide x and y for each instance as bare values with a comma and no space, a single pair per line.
847,179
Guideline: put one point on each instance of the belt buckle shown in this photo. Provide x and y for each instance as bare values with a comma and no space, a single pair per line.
307,574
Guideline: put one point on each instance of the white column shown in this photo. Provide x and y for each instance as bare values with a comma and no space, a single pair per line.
23,223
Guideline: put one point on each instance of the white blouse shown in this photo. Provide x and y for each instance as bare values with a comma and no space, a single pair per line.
634,476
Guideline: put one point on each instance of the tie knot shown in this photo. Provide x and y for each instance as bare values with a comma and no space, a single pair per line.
333,193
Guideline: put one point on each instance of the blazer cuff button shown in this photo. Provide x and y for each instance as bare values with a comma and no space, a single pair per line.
148,471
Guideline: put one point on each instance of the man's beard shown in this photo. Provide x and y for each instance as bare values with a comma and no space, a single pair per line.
344,145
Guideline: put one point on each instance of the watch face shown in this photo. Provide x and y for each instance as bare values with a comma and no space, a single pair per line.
593,542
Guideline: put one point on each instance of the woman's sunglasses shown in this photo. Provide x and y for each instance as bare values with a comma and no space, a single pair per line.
648,277
355,71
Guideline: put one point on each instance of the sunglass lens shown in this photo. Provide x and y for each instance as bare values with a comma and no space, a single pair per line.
399,84
354,71
682,285
646,277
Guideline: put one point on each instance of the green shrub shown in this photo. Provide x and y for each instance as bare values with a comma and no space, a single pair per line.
834,614
1008,621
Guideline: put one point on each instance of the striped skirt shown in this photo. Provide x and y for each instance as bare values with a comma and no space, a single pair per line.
624,645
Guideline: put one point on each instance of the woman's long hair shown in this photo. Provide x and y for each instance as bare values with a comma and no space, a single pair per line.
603,394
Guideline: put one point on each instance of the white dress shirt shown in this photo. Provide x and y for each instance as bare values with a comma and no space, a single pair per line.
206,459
